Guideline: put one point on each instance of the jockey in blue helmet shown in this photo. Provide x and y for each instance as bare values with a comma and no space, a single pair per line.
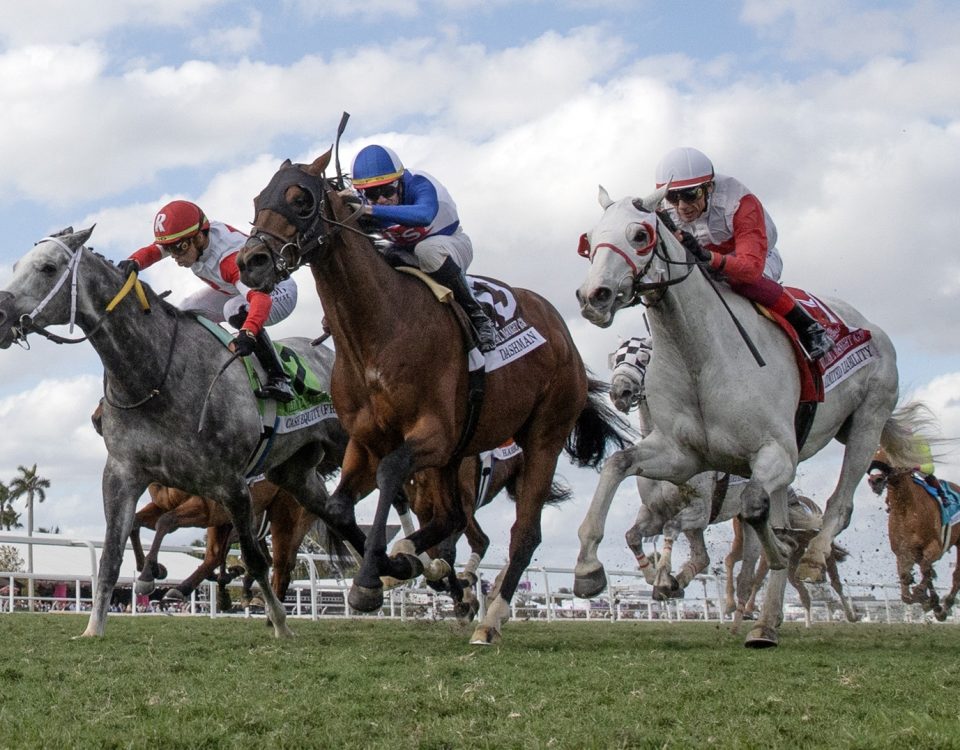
416,212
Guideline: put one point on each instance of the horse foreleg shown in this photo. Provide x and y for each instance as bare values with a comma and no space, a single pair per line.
833,574
734,556
764,633
955,587
120,493
240,505
698,561
644,527
756,511
589,576
366,592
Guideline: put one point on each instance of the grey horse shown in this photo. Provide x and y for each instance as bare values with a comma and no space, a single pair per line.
160,369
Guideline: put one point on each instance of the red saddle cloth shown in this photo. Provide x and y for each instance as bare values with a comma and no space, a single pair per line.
852,348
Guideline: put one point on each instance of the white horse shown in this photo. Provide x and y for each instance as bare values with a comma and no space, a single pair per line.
714,407
667,508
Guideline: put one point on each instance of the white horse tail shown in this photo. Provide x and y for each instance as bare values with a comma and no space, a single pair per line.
905,431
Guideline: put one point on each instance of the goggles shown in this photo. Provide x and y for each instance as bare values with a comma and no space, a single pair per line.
689,195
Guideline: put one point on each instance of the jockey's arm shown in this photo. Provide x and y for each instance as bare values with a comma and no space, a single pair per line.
744,262
258,303
147,255
419,209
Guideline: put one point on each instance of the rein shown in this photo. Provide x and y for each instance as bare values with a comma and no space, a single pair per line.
659,251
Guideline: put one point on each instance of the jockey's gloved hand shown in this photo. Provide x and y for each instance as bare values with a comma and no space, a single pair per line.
244,342
690,242
128,266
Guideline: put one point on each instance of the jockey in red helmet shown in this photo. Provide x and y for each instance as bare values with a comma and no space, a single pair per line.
736,235
417,213
209,249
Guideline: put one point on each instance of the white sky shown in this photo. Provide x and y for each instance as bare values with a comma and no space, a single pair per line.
842,118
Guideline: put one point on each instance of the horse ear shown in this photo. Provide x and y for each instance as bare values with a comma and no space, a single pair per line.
653,200
286,163
319,165
604,197
79,238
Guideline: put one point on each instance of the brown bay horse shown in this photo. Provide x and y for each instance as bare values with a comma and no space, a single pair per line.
170,509
916,532
402,389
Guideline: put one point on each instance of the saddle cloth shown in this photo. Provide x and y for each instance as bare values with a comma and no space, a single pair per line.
852,348
948,500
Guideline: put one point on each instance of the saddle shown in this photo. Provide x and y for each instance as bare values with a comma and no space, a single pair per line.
851,351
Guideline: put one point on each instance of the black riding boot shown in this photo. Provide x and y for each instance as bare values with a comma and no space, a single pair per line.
450,275
812,335
278,384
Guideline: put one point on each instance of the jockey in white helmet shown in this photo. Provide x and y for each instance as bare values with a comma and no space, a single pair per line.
736,237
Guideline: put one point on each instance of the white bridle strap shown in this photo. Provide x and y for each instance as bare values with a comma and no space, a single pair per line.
71,270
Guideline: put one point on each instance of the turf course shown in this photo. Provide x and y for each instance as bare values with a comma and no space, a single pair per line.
196,682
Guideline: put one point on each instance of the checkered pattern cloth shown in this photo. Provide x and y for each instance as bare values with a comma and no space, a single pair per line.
632,357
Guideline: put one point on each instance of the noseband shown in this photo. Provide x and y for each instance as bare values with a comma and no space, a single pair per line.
309,214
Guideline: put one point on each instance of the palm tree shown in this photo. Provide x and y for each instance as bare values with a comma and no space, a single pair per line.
9,518
33,486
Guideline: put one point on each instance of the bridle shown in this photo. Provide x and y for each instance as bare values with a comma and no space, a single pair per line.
638,292
27,323
885,473
313,220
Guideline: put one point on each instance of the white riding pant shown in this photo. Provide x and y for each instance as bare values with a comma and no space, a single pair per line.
432,251
774,265
219,308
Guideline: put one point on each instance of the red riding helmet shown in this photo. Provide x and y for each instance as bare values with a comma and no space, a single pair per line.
177,221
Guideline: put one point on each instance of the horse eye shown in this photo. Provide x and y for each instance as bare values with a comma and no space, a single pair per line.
637,235
48,268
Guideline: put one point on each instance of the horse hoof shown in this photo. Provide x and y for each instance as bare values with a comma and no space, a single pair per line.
364,599
145,587
589,585
761,637
174,595
484,635
437,570
465,611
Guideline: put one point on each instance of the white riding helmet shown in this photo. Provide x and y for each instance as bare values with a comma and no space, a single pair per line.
684,167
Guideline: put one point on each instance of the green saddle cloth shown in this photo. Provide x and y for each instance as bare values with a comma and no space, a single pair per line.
306,385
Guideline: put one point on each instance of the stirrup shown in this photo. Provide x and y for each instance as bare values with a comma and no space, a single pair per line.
486,334
817,342
278,389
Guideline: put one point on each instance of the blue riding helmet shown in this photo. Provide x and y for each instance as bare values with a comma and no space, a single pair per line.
375,165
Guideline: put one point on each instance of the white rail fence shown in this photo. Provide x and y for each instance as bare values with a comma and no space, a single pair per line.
543,595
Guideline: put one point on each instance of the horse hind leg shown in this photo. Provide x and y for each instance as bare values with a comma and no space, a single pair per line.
634,538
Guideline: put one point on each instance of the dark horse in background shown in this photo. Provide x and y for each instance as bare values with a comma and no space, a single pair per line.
402,390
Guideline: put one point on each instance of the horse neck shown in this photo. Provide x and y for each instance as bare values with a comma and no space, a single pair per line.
903,495
133,346
361,295
689,321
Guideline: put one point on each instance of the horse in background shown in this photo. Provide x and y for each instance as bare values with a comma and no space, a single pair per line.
406,381
919,534
714,408
158,369
805,519
480,479
171,509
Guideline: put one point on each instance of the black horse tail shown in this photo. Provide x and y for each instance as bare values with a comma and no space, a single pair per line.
559,492
333,544
598,427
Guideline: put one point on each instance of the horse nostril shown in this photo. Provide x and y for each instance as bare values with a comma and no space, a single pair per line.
601,295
